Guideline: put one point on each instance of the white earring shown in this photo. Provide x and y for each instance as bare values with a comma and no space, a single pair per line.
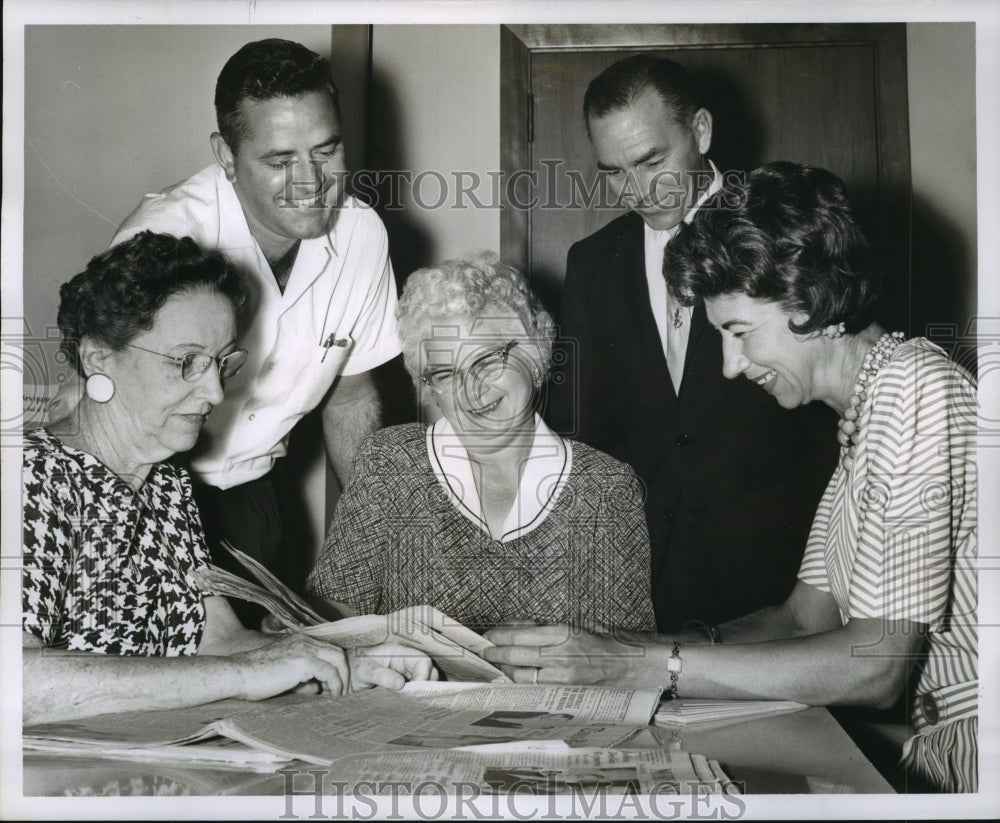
100,388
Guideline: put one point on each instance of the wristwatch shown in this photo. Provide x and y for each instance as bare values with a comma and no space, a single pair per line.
674,666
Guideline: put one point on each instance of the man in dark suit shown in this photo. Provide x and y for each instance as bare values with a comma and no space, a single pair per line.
732,479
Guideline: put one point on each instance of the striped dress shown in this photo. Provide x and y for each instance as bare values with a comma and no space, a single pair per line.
895,538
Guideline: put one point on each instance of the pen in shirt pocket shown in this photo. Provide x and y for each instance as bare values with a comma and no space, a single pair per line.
334,342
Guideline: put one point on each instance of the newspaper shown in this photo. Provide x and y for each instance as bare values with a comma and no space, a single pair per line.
591,704
454,648
697,711
321,730
215,752
578,771
160,727
429,718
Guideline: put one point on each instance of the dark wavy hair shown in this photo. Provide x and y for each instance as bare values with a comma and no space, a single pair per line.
785,234
264,70
119,293
620,83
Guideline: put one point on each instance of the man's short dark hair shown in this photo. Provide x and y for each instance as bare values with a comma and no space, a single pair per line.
264,70
621,83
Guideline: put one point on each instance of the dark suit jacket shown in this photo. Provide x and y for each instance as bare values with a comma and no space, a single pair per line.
732,479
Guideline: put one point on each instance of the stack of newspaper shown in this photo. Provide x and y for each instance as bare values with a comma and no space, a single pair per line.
504,737
322,730
474,726
552,739
690,711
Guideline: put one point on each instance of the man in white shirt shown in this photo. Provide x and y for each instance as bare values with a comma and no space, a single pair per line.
732,480
322,310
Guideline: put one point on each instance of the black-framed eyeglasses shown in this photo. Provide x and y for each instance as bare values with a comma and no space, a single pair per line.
483,369
195,364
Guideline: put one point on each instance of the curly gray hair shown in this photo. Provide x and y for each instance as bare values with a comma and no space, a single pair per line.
470,287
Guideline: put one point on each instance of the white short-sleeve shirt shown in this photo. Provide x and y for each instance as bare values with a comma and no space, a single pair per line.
336,316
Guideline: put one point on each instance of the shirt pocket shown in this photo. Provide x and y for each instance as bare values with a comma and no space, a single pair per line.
312,369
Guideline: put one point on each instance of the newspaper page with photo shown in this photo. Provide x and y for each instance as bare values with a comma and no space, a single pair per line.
321,730
542,773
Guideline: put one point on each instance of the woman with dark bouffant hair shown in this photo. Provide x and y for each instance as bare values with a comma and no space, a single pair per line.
886,593
111,533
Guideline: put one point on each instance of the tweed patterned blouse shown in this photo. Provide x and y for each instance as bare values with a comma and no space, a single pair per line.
407,532
106,568
895,537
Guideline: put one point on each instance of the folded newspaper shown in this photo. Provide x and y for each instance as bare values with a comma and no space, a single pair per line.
322,730
693,711
591,773
505,737
455,649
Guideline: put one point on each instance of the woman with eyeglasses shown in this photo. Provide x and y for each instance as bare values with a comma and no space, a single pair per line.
486,514
112,617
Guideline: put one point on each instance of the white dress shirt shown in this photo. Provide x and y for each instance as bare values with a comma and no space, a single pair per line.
673,322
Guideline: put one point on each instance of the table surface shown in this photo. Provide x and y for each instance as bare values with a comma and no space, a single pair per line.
806,752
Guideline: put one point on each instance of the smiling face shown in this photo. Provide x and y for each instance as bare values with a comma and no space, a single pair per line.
289,166
487,404
654,163
757,344
156,412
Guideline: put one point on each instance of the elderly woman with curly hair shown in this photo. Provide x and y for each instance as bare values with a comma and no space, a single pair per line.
486,514
886,593
113,618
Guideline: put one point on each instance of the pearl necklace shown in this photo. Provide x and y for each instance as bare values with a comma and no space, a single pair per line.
849,426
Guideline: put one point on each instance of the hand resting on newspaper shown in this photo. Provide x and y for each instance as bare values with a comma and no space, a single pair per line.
565,654
314,666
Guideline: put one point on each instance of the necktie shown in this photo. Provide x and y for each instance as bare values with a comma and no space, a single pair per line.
676,342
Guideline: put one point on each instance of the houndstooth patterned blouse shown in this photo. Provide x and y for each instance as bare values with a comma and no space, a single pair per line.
106,568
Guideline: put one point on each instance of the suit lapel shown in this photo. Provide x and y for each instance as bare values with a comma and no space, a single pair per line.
699,323
702,371
632,265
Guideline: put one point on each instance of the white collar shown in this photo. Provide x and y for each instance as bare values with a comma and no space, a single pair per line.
313,254
662,236
546,472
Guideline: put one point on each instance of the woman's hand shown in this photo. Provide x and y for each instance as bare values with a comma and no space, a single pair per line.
388,665
298,662
271,625
566,655
288,662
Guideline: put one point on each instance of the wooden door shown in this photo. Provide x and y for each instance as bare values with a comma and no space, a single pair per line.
832,96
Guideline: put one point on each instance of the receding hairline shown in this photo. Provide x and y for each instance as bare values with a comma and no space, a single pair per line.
672,109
